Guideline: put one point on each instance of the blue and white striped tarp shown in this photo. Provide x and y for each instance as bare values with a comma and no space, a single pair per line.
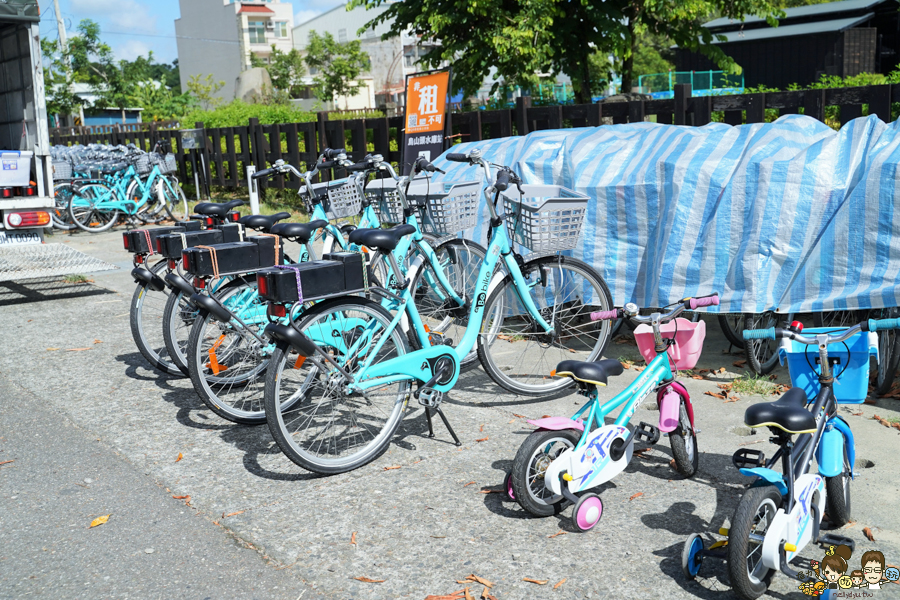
790,216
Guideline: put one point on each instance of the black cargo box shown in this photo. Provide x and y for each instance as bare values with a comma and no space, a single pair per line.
317,279
353,268
170,246
136,240
258,252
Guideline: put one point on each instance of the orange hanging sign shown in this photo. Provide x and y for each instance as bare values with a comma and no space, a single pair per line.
426,102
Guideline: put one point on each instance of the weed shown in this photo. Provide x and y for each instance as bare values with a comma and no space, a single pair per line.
752,384
76,279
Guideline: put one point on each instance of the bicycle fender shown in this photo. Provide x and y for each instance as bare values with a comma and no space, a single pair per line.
177,283
679,390
287,335
209,305
830,453
556,424
769,475
841,425
148,278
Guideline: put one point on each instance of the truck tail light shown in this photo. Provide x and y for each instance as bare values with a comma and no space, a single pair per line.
37,218
262,285
6,192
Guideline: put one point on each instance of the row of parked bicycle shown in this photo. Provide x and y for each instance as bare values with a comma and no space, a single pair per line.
97,185
329,352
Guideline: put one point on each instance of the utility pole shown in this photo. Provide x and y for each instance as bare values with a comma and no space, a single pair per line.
63,46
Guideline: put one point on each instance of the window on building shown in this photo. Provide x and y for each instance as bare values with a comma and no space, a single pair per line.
409,57
281,29
257,32
342,36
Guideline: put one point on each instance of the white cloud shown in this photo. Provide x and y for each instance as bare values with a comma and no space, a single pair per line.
305,15
121,14
131,49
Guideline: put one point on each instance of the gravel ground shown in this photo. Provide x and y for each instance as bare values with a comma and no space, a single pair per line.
427,524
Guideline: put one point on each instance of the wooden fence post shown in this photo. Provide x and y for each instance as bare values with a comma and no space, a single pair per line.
702,107
682,103
636,111
321,118
814,104
880,103
523,103
756,111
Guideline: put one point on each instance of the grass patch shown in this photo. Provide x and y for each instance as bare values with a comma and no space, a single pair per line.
76,279
752,384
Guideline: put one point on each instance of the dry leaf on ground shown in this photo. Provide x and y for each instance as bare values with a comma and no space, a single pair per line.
468,484
480,580
537,581
520,416
557,534
99,521
368,580
739,363
715,395
867,531
638,495
97,342
392,468
186,498
77,349
238,512
180,456
484,439
559,584
6,462
52,349
721,369
353,538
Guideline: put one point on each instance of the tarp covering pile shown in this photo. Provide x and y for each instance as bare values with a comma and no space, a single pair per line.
789,216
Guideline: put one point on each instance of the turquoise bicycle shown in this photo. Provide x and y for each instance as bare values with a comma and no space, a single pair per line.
335,406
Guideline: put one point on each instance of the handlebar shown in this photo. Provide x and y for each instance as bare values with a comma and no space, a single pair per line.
777,333
263,173
502,181
694,303
456,157
360,166
332,153
631,310
880,324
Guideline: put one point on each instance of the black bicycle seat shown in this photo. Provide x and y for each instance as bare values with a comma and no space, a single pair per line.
788,413
299,232
216,209
596,373
382,239
262,223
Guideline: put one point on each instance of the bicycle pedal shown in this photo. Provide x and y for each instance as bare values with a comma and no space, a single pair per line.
647,432
831,539
748,458
430,397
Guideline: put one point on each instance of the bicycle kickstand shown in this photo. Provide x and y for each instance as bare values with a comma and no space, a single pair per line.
431,399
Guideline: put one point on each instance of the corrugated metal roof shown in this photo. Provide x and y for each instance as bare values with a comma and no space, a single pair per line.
826,10
793,30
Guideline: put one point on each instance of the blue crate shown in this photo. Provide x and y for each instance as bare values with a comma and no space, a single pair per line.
853,384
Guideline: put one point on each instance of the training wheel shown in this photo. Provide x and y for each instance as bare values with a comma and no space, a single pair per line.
508,488
587,512
691,559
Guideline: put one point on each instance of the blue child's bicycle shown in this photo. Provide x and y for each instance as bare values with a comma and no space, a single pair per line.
565,457
782,511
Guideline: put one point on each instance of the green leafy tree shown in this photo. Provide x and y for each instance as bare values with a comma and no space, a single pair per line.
521,38
337,66
58,81
286,70
204,89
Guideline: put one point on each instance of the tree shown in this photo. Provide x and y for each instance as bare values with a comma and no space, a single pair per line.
286,70
337,66
521,38
204,89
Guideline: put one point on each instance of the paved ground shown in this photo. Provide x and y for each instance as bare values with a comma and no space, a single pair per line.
421,527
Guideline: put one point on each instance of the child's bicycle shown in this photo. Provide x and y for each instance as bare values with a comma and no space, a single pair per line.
349,392
782,512
564,457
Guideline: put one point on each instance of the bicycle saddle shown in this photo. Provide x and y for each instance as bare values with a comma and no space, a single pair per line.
299,232
788,413
596,373
262,223
382,239
216,209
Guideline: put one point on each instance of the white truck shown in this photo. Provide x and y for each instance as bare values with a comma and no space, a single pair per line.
26,179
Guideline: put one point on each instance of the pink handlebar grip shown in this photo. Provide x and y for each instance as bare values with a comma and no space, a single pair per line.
699,302
605,314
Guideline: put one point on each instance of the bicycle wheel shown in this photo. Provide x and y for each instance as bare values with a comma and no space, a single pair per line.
749,576
315,420
535,454
684,445
147,308
839,318
62,194
148,212
519,355
171,194
86,207
227,361
837,495
733,327
762,355
178,319
460,260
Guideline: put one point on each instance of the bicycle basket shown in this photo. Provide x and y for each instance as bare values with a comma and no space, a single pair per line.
169,165
343,199
62,169
383,194
451,207
142,164
545,217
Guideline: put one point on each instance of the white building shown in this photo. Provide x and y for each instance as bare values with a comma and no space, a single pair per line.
218,36
390,60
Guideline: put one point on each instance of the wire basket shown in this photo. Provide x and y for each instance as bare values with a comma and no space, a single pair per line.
343,199
142,164
544,217
62,169
451,207
383,194
169,165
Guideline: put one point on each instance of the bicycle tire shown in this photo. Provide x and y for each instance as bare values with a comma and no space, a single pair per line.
62,193
531,461
837,495
145,327
287,371
450,322
750,583
143,212
83,212
762,355
683,442
888,352
178,309
177,208
733,326
506,323
238,395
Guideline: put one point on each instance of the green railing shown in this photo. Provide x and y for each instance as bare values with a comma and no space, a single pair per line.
699,80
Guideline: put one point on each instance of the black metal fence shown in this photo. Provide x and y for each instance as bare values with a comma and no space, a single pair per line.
228,151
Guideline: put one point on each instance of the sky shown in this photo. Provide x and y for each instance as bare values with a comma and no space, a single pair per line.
134,27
